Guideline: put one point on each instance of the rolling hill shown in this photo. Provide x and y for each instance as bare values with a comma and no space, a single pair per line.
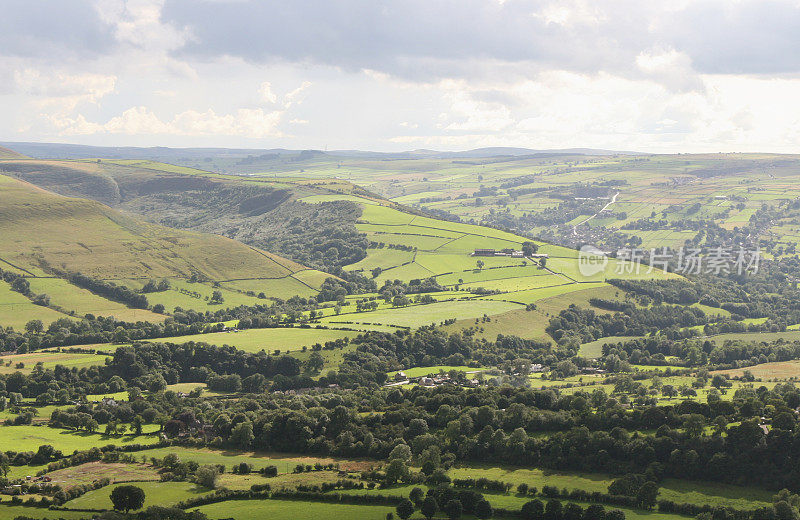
47,235
328,222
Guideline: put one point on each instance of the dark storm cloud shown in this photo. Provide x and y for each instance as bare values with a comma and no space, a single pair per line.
52,29
426,39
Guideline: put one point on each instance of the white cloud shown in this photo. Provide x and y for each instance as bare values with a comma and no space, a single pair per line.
138,23
92,87
670,68
295,96
254,123
267,94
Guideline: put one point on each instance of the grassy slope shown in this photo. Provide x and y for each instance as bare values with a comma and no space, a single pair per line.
86,236
7,153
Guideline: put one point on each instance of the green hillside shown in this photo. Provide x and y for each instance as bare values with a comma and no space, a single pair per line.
6,153
48,235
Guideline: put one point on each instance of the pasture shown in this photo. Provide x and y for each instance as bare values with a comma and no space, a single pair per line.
283,461
260,509
29,438
11,363
156,494
285,339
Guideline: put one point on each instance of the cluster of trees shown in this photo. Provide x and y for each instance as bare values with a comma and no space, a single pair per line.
110,290
577,325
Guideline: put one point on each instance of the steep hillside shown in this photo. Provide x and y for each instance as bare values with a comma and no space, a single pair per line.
44,229
6,153
263,213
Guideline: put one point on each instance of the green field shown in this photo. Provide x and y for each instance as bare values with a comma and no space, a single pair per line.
260,509
71,298
284,462
91,238
29,438
17,310
9,363
418,315
9,512
156,494
284,339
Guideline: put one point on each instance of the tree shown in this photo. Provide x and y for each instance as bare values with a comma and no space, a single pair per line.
242,435
207,476
483,510
646,496
396,470
429,507
453,509
784,511
480,264
594,512
127,498
529,248
315,363
669,391
573,512
405,509
34,326
416,495
402,452
543,262
552,511
533,510
216,297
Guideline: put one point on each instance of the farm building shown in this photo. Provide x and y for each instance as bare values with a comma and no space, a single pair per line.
513,253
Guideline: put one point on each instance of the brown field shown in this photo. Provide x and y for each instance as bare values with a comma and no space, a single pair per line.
776,370
91,471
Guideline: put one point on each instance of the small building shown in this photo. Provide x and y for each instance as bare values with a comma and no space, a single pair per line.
426,381
484,252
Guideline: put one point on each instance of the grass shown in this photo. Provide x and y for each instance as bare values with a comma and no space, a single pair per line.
418,315
71,298
260,509
86,236
29,438
155,494
682,491
252,340
16,310
780,370
49,360
284,462
91,471
9,512
424,371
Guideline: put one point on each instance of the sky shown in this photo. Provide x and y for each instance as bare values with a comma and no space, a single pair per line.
639,75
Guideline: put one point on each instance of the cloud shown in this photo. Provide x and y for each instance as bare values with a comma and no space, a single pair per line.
253,123
266,93
138,23
427,41
669,67
90,87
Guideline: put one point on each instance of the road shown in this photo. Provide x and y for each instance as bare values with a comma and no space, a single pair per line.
612,201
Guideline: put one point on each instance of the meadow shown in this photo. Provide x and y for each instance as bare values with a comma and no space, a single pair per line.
156,494
259,509
285,339
29,438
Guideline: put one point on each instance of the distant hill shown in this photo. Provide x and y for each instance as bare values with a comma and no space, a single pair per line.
184,155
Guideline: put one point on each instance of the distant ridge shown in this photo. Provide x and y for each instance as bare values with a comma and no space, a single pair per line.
76,151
